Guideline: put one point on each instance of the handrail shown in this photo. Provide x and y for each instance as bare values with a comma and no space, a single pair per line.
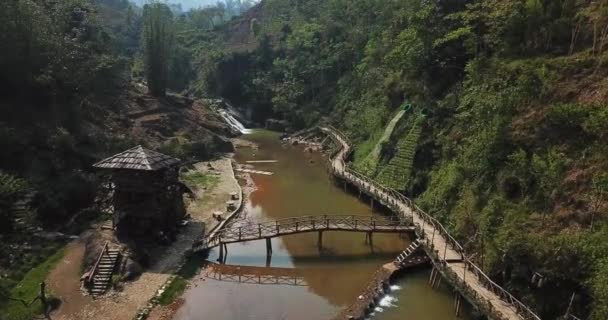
96,265
523,311
305,224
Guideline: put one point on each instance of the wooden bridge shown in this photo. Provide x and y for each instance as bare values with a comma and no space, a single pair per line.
254,275
304,224
448,256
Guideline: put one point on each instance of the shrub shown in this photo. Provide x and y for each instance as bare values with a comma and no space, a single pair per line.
597,122
569,115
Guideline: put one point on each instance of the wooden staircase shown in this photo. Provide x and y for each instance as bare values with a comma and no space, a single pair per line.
403,257
101,276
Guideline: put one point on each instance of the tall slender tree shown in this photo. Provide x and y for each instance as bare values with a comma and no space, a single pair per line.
158,42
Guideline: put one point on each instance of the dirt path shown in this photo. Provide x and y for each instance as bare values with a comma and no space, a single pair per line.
64,280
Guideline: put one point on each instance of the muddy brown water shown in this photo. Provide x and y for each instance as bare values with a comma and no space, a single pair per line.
328,279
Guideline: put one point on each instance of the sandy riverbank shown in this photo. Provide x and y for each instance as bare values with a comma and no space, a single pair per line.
124,305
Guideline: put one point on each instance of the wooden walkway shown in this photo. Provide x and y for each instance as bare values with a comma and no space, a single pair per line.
447,255
254,275
304,224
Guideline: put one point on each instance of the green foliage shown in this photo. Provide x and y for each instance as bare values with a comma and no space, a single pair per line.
442,188
396,174
54,47
66,196
27,290
11,188
197,179
548,170
179,284
597,122
158,40
368,165
567,116
600,289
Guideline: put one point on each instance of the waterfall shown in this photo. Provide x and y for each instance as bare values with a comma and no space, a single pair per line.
233,122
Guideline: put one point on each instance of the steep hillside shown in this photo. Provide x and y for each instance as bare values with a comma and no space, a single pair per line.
511,153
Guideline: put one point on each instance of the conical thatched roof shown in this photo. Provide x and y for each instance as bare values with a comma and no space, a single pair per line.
138,158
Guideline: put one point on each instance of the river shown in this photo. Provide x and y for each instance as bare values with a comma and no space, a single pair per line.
327,280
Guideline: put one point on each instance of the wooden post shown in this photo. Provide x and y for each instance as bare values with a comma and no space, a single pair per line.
431,280
458,299
320,240
221,258
43,300
433,238
268,247
445,249
438,278
225,252
371,240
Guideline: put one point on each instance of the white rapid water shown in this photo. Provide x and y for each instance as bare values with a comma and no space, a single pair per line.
233,122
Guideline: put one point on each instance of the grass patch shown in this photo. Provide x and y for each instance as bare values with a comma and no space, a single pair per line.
196,179
28,289
363,149
180,282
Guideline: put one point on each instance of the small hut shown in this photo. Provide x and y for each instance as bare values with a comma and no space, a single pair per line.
147,194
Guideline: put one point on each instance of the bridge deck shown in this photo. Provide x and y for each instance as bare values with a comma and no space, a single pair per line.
449,255
306,224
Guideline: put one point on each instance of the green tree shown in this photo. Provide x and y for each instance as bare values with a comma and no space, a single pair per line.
158,42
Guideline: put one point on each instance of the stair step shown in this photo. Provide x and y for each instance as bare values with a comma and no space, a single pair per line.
106,266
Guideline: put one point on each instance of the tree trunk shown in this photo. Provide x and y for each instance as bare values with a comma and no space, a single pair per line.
603,38
575,32
594,37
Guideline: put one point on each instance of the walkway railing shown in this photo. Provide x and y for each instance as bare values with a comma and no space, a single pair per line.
395,201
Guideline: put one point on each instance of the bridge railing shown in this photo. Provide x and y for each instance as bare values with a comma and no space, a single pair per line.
376,188
302,224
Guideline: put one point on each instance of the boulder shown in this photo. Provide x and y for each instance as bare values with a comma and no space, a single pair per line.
132,269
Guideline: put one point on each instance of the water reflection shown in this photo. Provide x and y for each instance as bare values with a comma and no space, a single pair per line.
333,277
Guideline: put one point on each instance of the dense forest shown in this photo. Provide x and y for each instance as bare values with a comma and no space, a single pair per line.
504,139
71,72
502,142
